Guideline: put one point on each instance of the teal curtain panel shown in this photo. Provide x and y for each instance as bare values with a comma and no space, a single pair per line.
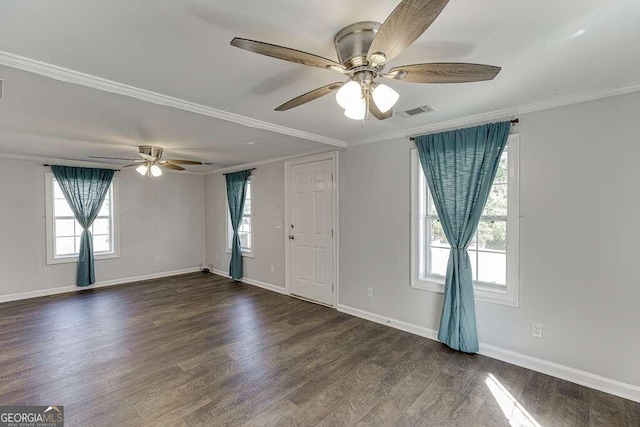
460,167
84,189
236,195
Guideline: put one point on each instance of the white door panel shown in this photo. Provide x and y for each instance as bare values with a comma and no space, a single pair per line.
311,230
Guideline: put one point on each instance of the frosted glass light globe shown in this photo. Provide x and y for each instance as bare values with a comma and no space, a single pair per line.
357,111
349,95
142,169
385,97
156,171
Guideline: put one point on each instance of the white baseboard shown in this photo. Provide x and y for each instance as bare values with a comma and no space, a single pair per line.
587,379
253,282
101,284
403,326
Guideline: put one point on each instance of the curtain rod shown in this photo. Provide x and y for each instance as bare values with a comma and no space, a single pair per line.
251,169
513,122
115,170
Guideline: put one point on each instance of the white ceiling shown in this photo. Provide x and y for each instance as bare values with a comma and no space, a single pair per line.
181,49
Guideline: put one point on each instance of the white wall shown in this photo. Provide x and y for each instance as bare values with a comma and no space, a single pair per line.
579,239
158,217
268,208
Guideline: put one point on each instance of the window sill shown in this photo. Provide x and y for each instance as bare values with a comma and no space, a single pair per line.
244,254
481,293
74,259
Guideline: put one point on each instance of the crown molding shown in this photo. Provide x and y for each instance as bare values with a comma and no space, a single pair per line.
268,161
82,163
89,164
500,114
82,79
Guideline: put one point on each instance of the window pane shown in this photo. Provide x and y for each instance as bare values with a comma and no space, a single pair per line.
473,246
437,237
245,225
100,226
77,249
64,227
473,258
502,174
492,235
492,268
78,229
497,201
244,239
431,208
101,244
438,259
105,208
248,196
57,192
65,246
247,207
61,208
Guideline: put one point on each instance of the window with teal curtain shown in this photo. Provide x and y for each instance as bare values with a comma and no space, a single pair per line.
460,167
236,197
85,190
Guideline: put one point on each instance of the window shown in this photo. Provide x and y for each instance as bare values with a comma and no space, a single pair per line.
63,231
246,225
493,250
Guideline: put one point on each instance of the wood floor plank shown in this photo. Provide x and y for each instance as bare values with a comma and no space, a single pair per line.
204,350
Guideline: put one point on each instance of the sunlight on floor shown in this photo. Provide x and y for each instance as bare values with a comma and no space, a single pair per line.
512,409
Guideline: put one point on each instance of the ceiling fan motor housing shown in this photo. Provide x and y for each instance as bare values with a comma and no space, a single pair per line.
150,150
353,41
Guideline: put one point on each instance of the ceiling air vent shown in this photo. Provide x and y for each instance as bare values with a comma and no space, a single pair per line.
415,111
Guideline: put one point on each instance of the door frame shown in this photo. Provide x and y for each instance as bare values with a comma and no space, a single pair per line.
333,156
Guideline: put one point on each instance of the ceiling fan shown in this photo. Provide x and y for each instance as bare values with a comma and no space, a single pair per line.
363,50
150,162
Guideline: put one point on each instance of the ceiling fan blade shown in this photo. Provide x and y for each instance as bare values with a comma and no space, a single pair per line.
182,162
147,157
446,72
406,23
132,165
310,96
112,158
287,54
171,166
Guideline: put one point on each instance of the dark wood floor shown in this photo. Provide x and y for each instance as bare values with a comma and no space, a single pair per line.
202,350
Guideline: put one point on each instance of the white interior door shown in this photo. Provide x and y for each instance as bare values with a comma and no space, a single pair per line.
311,230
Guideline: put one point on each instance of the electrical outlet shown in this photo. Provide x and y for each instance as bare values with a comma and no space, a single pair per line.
157,260
47,271
273,269
536,330
370,292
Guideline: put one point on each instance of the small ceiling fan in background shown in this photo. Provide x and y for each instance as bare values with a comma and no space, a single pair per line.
150,162
363,50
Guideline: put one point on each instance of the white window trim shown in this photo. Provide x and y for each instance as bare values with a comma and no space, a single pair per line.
248,253
508,296
115,206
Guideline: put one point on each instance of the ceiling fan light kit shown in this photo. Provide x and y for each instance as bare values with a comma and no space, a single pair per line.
363,50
